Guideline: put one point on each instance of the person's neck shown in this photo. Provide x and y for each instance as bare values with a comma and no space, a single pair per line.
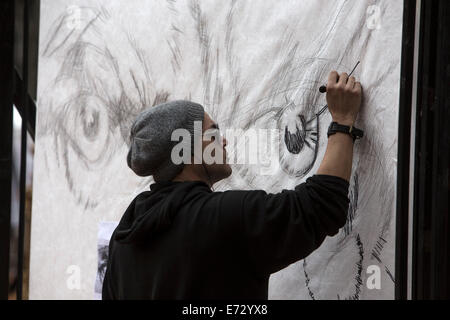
190,173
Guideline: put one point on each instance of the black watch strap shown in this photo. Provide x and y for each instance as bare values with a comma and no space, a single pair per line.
354,132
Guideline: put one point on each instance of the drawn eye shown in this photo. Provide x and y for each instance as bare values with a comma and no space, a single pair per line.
301,139
87,125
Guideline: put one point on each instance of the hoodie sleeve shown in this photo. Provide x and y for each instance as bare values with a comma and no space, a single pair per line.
107,293
282,228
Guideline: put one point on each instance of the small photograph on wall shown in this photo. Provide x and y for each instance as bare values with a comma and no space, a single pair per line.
105,230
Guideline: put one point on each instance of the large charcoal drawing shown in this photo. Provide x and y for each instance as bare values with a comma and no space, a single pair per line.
252,65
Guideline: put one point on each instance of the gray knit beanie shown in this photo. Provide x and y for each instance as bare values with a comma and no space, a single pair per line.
150,138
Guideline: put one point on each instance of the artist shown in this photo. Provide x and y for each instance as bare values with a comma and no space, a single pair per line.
181,240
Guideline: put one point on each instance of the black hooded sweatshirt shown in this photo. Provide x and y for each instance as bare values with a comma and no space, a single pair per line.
180,240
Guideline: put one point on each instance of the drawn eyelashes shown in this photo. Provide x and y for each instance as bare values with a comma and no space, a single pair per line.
354,249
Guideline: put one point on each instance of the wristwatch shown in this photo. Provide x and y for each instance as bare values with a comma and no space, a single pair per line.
355,133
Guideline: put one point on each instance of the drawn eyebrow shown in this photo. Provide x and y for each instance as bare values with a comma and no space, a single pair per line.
214,126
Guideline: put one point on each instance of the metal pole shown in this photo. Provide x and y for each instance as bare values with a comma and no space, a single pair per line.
23,153
6,112
404,133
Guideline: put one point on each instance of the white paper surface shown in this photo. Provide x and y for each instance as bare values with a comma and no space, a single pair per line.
252,64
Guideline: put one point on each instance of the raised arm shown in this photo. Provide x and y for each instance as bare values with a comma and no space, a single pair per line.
344,100
286,227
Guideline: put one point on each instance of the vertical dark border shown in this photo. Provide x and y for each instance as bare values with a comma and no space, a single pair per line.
421,222
404,136
440,225
33,43
430,273
6,109
17,79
